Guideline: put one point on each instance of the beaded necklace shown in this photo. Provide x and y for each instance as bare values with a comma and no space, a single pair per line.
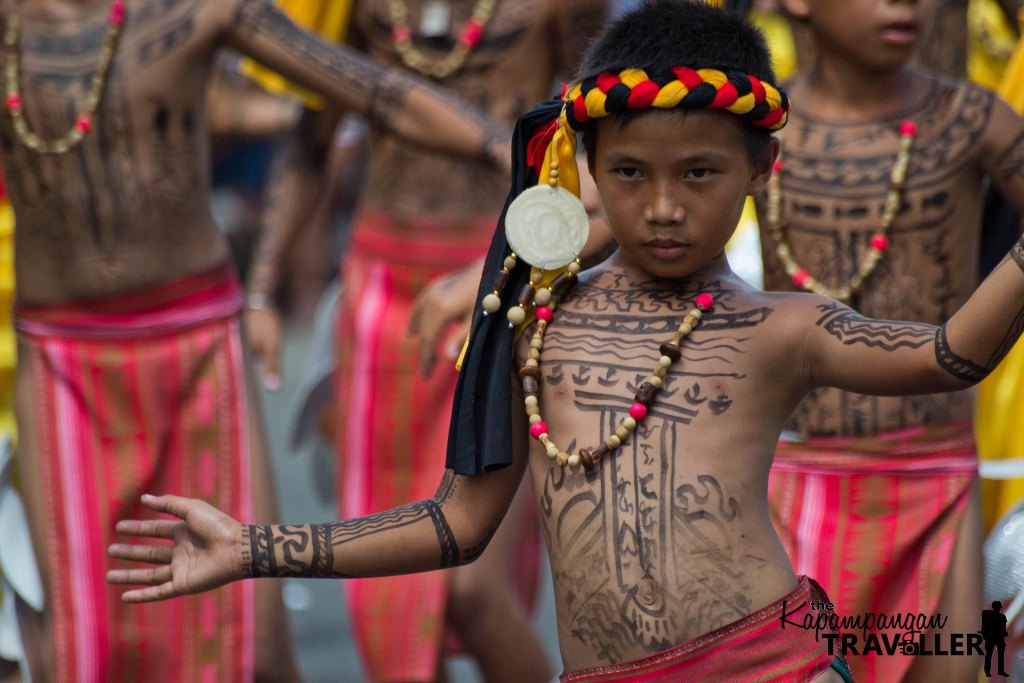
879,240
530,376
83,122
469,37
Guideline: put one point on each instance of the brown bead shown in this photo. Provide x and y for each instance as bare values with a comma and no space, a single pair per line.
672,351
501,281
530,385
561,283
586,457
526,295
645,394
527,371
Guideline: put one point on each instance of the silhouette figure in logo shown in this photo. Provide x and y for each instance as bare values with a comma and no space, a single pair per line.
993,629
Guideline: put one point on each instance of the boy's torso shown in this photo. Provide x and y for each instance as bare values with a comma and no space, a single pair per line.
670,538
129,207
834,181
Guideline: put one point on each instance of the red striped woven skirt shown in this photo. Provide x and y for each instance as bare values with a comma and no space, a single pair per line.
144,393
875,519
393,431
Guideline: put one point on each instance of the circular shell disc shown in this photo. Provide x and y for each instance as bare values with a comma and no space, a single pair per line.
547,226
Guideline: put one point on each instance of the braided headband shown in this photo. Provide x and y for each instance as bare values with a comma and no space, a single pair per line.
607,94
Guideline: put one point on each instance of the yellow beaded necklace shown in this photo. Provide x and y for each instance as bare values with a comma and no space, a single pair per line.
879,241
469,38
83,122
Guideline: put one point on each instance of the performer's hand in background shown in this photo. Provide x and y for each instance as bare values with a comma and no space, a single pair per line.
265,331
206,553
446,300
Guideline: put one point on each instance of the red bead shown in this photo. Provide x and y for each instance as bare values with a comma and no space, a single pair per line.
908,128
545,313
638,411
538,428
471,33
879,242
401,34
14,102
84,123
778,166
117,12
705,301
800,277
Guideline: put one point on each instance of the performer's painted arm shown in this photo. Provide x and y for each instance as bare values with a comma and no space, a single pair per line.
210,549
884,357
411,108
299,183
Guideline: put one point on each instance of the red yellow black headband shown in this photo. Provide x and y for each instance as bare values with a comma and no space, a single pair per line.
607,94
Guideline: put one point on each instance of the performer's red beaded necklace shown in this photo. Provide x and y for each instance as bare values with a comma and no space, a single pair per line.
84,121
879,241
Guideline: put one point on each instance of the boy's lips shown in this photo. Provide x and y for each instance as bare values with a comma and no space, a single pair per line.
901,32
666,248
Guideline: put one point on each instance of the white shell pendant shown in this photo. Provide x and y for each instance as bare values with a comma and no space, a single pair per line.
547,226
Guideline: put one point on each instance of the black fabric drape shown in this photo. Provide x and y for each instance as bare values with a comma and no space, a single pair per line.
480,434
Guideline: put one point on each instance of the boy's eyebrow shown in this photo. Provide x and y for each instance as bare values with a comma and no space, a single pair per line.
696,157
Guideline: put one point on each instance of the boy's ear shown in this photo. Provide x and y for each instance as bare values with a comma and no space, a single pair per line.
797,9
763,168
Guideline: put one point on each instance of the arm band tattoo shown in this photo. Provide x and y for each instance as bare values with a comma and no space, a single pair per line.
257,552
449,548
961,368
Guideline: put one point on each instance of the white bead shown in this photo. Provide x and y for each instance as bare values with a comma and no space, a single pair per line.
629,423
655,381
614,441
665,362
530,400
516,315
492,303
574,460
535,418
553,452
542,297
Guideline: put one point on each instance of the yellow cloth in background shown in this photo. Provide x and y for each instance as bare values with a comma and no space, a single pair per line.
990,42
998,425
329,18
8,348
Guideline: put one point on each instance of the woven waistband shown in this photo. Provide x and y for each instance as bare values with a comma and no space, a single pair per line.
922,450
169,307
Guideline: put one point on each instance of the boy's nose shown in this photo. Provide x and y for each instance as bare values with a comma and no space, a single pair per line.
663,209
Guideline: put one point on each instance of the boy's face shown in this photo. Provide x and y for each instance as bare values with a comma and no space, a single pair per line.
881,34
673,184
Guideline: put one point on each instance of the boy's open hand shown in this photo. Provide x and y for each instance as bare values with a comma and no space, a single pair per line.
205,553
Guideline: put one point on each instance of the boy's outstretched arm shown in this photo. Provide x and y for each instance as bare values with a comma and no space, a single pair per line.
885,357
409,107
210,549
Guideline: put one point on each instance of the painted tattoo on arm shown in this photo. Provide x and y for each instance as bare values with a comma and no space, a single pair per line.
311,550
382,95
967,370
851,328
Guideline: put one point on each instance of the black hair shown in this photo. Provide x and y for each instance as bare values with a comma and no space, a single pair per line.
660,34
